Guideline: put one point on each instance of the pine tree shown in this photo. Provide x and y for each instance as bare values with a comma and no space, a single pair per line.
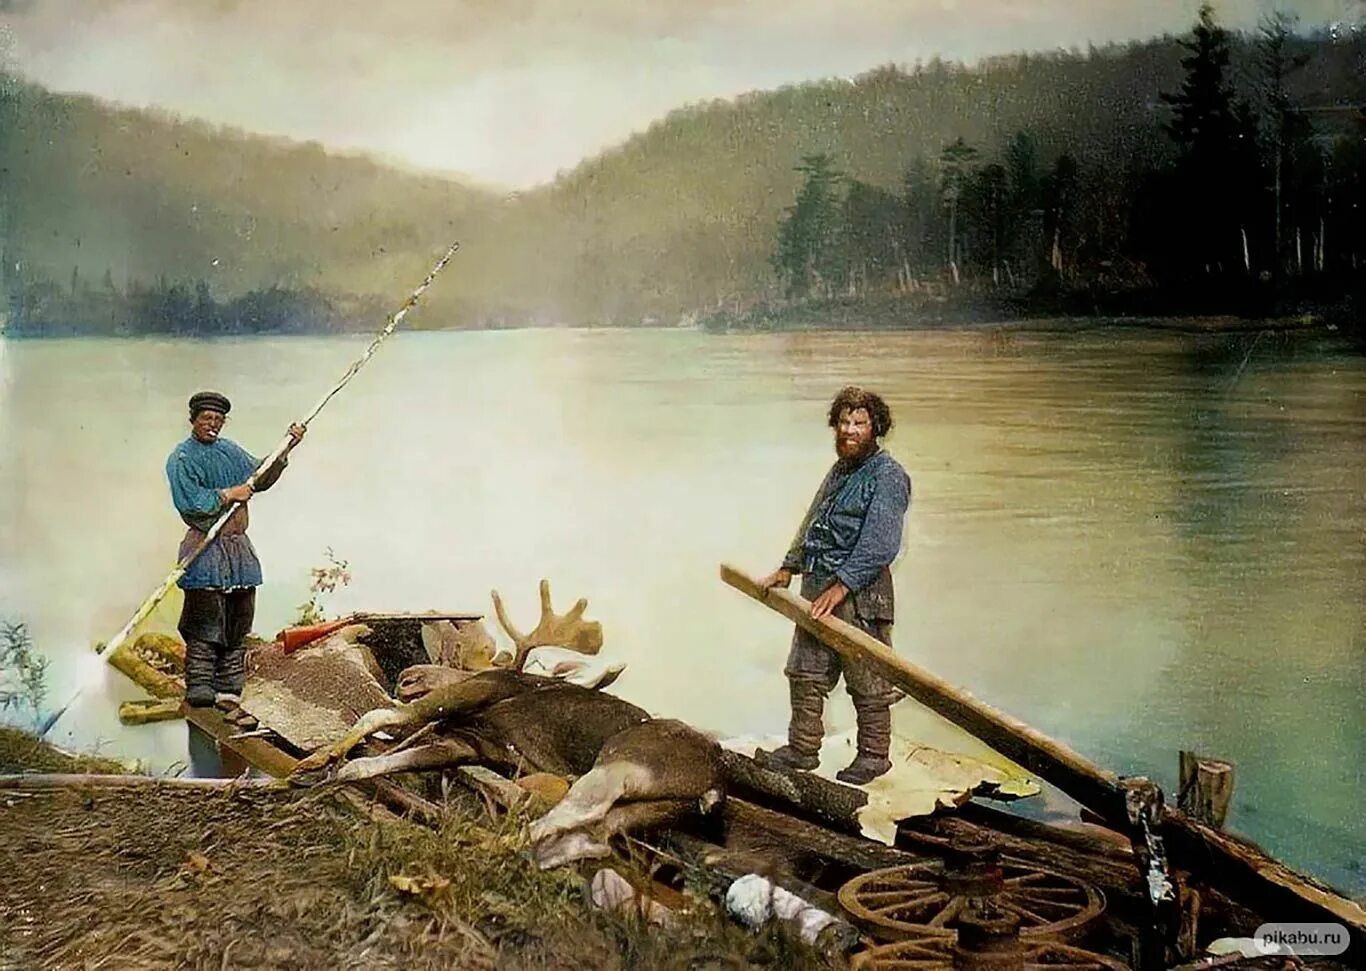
1060,204
956,166
867,234
804,259
918,229
1217,139
1022,203
986,215
1287,130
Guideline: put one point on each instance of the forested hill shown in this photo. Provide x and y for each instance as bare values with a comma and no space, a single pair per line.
686,215
96,199
679,219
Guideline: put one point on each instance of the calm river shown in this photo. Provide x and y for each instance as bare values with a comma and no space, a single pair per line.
1135,540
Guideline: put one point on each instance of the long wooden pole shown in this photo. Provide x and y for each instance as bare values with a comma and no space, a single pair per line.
1074,774
281,450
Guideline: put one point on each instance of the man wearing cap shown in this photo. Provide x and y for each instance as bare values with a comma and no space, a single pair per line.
844,550
208,473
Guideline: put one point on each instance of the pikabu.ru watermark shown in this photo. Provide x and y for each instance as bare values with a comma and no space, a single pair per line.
1301,939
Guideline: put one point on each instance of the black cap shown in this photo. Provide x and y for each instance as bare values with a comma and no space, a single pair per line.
209,401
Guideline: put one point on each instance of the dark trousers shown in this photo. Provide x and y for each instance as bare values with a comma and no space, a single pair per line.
213,624
813,670
812,662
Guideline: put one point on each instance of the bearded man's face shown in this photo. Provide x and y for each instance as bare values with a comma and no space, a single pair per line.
854,437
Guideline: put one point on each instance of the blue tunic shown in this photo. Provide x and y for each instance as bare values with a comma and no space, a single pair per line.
852,531
196,471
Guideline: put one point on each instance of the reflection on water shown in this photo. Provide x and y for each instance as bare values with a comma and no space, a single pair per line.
1136,541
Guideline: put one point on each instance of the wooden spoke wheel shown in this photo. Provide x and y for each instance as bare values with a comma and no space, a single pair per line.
937,954
925,899
923,952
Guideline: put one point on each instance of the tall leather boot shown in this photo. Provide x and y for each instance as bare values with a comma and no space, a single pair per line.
230,673
874,743
200,659
805,730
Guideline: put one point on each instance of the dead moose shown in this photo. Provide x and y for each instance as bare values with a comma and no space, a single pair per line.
632,772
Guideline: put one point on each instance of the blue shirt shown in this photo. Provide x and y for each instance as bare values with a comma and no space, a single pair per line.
196,471
853,529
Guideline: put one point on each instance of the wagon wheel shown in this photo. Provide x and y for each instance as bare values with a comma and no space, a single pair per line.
937,954
930,952
922,898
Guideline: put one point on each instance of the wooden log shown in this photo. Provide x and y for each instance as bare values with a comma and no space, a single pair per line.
831,802
150,710
1247,874
156,683
1053,761
751,826
42,780
1205,789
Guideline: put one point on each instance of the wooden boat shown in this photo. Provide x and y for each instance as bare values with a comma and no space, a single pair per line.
1137,884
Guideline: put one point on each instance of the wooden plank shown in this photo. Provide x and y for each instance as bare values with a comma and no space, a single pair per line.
1248,875
257,752
1053,761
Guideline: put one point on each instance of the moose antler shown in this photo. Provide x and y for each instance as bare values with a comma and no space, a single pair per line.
570,630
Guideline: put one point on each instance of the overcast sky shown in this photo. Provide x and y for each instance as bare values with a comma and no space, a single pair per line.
510,91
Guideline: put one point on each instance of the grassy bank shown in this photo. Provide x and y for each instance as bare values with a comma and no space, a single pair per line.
23,752
279,878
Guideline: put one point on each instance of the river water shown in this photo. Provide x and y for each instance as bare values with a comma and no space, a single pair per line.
1136,540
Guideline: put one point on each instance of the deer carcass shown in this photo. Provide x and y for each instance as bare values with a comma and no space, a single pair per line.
633,771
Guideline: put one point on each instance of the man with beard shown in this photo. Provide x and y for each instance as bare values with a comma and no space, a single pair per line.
844,551
207,473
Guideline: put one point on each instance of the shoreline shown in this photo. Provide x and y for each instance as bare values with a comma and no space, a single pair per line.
795,320
987,311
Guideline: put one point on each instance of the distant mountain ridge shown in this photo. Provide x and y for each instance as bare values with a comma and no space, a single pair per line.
679,218
142,195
